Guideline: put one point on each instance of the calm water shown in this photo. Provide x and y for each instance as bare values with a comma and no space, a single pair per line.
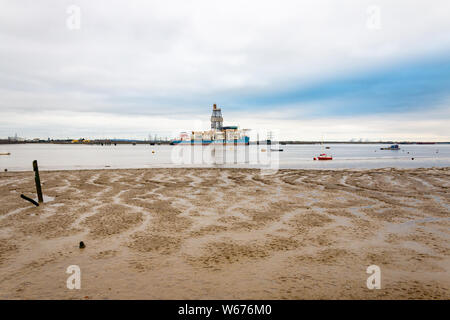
345,156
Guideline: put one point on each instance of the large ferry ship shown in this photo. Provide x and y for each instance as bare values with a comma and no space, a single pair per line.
217,135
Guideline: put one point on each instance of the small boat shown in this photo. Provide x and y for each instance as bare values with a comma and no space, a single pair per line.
392,147
5,153
276,150
324,156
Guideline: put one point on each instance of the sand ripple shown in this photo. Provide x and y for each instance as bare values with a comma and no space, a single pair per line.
227,233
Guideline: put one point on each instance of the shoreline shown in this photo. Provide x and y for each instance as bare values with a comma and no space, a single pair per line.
215,233
226,168
286,142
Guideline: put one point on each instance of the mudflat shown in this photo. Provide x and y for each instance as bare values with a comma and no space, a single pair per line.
226,234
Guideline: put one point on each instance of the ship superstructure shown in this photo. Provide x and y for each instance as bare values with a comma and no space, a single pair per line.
216,118
218,134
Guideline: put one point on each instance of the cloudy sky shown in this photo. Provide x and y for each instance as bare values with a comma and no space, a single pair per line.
336,69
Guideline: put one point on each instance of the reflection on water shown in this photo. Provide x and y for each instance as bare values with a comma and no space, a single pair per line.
345,156
217,155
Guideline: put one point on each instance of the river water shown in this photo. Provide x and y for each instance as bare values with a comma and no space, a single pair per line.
345,156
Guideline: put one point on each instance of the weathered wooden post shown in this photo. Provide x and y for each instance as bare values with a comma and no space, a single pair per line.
37,180
29,199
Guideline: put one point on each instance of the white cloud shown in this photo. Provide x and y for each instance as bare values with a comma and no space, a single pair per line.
398,127
405,126
162,56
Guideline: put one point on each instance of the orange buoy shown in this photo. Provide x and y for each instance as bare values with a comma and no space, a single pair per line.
315,158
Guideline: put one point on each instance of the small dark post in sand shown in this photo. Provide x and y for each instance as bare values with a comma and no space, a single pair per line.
37,180
29,199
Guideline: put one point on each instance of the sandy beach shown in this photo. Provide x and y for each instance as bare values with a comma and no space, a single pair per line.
226,234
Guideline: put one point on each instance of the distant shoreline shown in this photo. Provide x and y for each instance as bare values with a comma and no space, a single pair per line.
108,142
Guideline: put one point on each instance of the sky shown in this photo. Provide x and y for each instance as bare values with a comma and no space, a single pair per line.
309,70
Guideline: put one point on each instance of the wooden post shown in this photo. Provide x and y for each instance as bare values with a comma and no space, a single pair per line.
37,180
29,199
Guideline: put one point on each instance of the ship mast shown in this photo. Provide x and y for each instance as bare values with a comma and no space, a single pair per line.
216,118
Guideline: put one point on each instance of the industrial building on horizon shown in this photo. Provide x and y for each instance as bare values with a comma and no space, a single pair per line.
218,134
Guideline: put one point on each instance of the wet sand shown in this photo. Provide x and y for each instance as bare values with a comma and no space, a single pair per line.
227,234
